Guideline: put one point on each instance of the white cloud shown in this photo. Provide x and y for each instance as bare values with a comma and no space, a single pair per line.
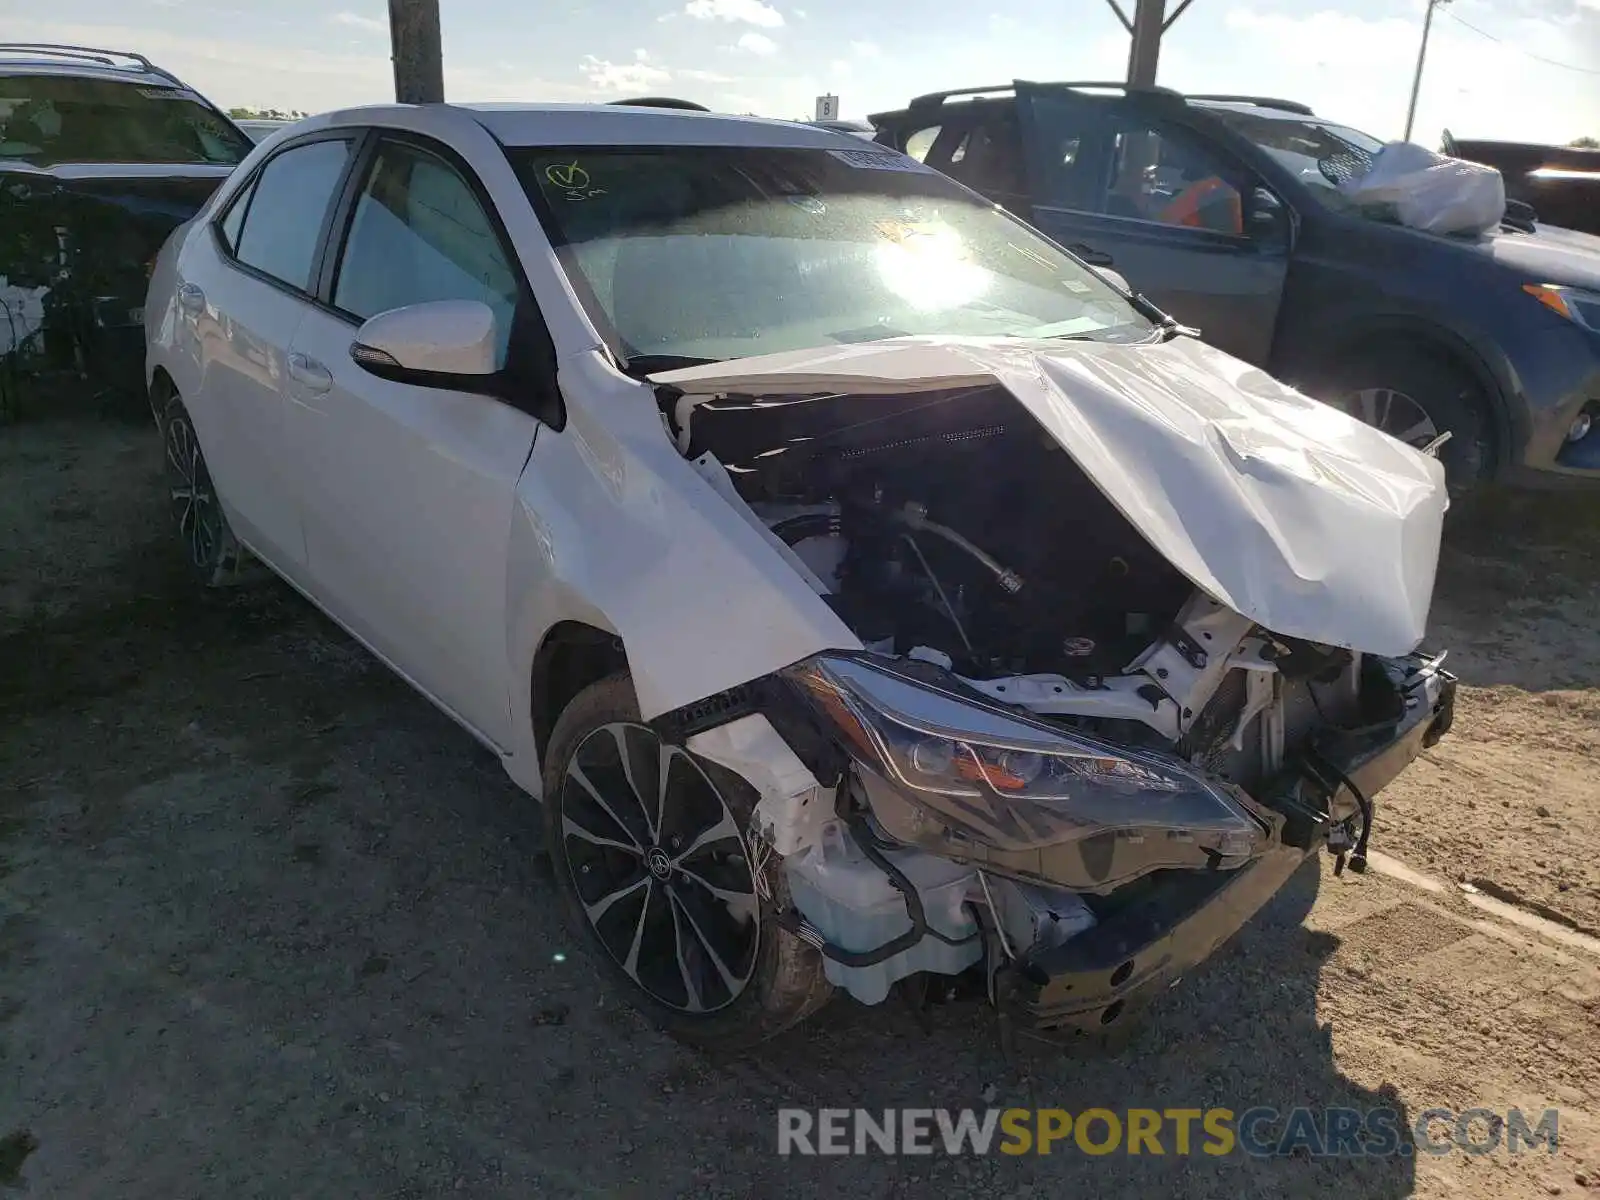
841,67
803,14
751,12
758,43
866,50
640,75
707,76
359,21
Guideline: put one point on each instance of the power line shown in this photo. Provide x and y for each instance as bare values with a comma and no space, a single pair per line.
1549,62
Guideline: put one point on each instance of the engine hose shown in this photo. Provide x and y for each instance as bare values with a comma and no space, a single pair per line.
916,517
870,846
809,933
1358,856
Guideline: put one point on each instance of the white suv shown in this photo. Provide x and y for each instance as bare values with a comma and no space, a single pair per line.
867,587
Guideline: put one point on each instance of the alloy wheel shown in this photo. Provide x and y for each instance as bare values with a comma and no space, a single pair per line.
1395,413
193,499
660,867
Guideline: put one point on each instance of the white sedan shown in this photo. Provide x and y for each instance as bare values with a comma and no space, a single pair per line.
868,588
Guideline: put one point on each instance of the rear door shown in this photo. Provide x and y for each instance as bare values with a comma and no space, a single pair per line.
409,491
1183,222
243,287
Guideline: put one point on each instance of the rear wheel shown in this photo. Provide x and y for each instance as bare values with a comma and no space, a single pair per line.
649,850
211,551
1415,397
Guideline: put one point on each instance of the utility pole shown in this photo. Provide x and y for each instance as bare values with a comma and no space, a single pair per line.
418,56
1147,25
1422,57
1146,49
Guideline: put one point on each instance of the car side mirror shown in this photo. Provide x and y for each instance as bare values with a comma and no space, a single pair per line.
444,344
1268,219
1114,278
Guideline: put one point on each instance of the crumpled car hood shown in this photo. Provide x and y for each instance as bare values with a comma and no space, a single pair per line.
1286,510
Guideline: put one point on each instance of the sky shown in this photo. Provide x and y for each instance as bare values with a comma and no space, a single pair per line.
1352,60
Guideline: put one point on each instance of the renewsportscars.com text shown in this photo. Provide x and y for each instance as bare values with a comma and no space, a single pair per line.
1260,1131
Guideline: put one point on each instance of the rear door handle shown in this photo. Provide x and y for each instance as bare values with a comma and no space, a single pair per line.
191,298
309,373
1095,258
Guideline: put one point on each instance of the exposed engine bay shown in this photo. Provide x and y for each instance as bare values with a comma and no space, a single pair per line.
973,557
910,519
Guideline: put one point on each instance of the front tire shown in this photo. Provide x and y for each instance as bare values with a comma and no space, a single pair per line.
657,877
1415,397
213,555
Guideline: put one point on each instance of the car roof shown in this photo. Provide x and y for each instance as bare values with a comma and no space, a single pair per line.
1264,109
82,62
1004,94
518,125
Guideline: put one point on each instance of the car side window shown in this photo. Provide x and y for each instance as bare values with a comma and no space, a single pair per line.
419,234
989,159
285,217
234,217
1157,175
921,141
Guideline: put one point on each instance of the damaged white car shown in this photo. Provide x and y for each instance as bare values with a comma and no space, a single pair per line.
870,590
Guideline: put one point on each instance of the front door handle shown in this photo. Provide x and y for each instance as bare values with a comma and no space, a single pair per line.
1095,258
191,298
309,373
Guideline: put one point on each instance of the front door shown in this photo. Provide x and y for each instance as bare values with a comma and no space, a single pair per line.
408,492
1179,220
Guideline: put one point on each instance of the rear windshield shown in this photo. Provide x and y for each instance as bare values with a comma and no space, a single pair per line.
51,119
712,253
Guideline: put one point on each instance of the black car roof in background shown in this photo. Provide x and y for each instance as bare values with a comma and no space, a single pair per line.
83,62
1004,92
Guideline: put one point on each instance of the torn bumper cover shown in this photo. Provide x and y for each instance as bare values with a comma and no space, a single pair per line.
1178,921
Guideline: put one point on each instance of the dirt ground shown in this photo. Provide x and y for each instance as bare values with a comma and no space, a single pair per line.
270,926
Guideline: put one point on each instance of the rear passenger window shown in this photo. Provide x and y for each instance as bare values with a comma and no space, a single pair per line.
920,142
284,221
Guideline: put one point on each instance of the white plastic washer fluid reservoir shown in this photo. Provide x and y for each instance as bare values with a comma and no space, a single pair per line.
852,903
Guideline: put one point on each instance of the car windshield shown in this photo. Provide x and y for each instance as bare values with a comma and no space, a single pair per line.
50,119
1322,155
713,253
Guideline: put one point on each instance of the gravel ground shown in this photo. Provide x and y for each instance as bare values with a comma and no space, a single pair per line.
270,926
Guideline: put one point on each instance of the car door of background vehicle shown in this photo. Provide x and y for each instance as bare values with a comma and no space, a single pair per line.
409,491
1182,222
245,285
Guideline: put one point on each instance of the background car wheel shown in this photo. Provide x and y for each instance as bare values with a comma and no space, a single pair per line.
656,876
212,552
1415,397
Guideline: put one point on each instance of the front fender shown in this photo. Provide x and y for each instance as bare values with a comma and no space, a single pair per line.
615,530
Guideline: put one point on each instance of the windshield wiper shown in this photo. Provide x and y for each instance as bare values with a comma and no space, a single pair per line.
1169,328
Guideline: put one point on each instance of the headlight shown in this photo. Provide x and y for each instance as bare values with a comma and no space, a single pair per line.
1575,304
1011,784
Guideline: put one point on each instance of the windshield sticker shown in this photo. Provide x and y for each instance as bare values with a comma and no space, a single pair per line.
571,180
878,160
